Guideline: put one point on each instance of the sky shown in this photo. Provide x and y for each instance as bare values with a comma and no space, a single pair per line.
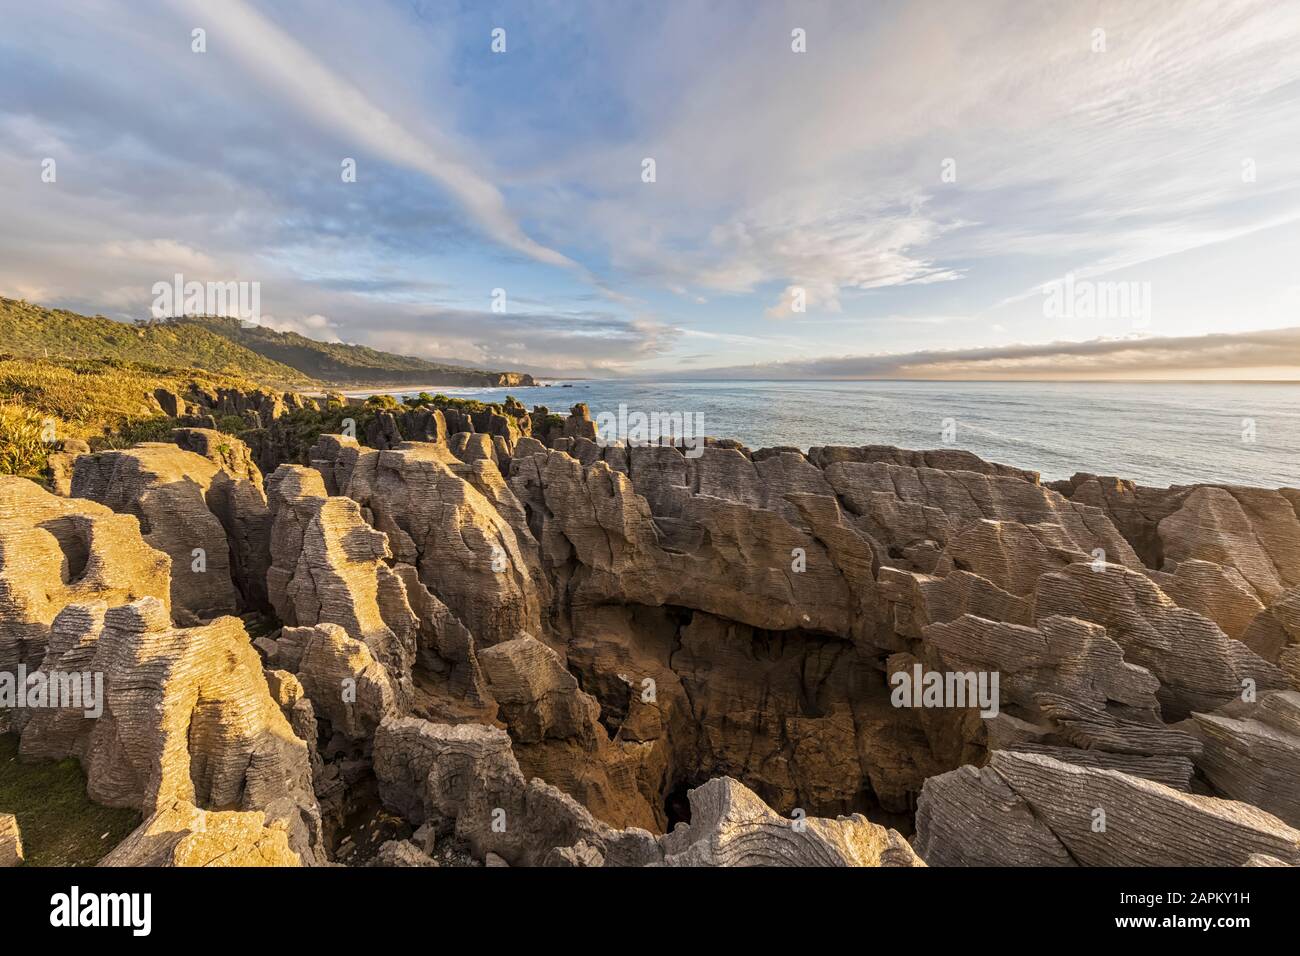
969,189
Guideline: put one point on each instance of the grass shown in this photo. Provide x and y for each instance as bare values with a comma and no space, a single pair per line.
59,824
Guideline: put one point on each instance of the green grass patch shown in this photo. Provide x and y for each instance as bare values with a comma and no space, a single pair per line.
59,824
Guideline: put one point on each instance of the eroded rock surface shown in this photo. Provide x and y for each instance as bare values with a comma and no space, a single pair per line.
186,716
555,651
58,551
1031,810
11,841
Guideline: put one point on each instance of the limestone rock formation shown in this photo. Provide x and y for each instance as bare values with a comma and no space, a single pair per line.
440,521
342,679
11,841
554,650
539,699
1252,752
238,499
401,853
1064,684
557,734
328,566
181,835
187,716
1031,810
1276,628
1198,666
1213,591
58,551
731,826
463,780
60,462
1255,531
166,488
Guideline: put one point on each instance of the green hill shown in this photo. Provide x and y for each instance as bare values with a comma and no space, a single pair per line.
343,365
33,331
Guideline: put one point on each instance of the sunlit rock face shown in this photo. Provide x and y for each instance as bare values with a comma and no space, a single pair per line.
656,655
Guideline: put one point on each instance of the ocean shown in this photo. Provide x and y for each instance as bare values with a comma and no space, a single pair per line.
1157,434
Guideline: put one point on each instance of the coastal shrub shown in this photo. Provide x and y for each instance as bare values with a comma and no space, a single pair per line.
299,429
134,431
232,424
467,405
23,450
388,402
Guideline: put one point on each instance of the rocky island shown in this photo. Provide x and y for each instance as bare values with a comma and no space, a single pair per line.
452,634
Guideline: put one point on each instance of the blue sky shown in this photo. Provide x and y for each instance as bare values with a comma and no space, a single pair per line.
1162,152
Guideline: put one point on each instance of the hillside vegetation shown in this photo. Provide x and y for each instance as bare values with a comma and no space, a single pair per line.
105,402
33,331
342,365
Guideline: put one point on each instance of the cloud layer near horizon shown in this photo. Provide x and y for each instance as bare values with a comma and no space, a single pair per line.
1245,355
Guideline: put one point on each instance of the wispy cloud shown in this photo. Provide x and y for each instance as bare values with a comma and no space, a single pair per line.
1172,154
292,72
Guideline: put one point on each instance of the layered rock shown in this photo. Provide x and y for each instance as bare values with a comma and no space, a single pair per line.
731,826
166,488
179,834
653,539
1276,628
1252,752
463,780
57,551
1198,666
237,497
612,639
1250,530
11,841
1001,527
186,716
1031,810
557,734
328,566
1065,689
341,677
1255,531
1213,591
452,522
